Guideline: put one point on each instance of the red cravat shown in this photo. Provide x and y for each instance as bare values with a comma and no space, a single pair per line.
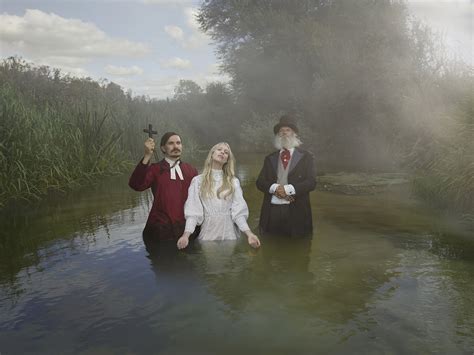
285,157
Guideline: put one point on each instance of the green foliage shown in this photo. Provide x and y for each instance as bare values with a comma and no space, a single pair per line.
187,90
58,132
445,167
44,148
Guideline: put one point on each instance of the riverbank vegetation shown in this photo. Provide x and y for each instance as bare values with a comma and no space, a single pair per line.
57,131
369,85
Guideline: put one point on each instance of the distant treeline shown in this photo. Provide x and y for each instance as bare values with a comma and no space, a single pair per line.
57,131
369,86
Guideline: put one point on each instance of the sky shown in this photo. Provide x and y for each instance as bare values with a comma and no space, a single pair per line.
149,45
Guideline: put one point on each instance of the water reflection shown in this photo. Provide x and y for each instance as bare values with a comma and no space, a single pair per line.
350,268
175,275
227,270
28,237
382,274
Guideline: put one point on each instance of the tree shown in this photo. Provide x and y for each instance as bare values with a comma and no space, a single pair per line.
342,65
218,94
186,90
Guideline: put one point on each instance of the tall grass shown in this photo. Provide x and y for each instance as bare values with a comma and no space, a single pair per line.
58,132
444,166
43,148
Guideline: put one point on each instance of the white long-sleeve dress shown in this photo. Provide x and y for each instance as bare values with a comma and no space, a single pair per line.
220,218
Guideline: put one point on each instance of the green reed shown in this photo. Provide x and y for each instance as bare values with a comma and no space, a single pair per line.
445,168
45,148
58,132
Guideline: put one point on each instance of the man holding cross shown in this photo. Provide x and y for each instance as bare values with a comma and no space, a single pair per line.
169,181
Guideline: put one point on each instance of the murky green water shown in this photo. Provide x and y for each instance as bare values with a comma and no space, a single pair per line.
381,275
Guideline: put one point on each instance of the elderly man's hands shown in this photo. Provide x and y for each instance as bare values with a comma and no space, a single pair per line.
281,193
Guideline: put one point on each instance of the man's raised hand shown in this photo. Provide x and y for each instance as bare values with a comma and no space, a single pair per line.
149,148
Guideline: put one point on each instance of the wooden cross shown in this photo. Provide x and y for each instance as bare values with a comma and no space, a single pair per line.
150,131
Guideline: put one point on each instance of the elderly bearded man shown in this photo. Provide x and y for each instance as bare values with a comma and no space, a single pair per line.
169,181
286,179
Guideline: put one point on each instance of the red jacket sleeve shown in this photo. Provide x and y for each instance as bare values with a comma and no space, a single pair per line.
142,177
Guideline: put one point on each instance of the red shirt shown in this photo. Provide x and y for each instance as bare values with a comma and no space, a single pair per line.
169,195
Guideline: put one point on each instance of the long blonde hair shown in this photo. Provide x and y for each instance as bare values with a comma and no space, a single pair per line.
228,170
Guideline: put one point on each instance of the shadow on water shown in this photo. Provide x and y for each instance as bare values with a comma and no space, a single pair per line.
61,222
381,274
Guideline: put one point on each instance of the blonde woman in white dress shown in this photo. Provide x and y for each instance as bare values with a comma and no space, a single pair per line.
216,202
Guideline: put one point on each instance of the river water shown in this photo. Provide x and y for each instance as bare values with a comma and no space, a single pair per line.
382,274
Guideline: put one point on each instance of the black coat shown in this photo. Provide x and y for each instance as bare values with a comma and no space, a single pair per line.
302,176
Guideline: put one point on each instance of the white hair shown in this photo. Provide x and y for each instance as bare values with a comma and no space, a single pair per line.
287,142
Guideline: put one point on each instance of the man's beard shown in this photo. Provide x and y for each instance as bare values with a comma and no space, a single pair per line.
287,142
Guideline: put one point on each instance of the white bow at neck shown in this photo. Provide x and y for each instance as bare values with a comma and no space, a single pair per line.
175,169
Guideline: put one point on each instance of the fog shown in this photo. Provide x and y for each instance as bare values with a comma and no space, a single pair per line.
371,88
452,20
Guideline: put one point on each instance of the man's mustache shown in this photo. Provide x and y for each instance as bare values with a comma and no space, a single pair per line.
176,150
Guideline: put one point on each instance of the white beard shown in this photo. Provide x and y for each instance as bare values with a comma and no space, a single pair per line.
287,142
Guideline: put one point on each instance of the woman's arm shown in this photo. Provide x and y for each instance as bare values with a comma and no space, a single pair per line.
240,213
193,212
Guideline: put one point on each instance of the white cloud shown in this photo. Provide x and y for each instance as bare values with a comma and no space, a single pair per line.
49,35
176,63
68,44
175,32
160,88
69,66
66,61
123,71
191,20
77,72
196,38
